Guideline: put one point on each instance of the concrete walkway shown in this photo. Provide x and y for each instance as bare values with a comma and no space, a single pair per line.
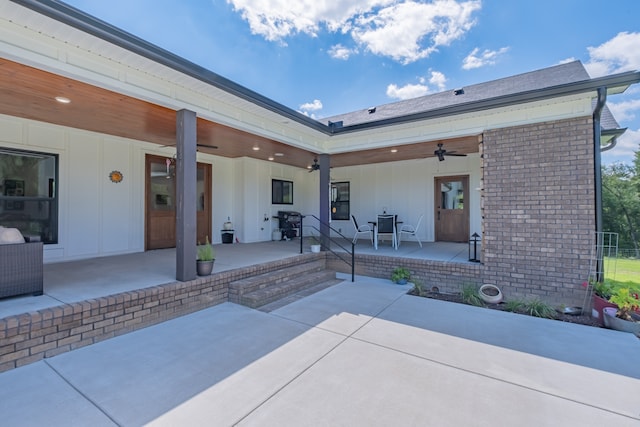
355,354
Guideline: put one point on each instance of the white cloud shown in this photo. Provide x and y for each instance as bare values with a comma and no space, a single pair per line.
438,79
566,61
412,30
312,106
625,148
278,19
405,30
621,53
407,91
625,110
488,57
340,52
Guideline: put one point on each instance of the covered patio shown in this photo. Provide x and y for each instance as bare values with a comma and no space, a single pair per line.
87,279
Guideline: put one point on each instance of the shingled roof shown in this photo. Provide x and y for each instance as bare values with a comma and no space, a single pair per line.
570,72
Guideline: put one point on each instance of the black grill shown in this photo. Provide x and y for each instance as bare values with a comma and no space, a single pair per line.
289,223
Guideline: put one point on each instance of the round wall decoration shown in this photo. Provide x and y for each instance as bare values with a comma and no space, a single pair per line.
116,176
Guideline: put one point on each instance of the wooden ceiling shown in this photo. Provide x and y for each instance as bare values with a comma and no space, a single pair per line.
30,93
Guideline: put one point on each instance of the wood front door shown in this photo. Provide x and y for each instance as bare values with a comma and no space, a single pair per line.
452,209
160,221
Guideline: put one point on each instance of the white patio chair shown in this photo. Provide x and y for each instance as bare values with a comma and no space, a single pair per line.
361,229
386,225
410,230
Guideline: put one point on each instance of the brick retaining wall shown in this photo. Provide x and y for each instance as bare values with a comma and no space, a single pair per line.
33,336
447,276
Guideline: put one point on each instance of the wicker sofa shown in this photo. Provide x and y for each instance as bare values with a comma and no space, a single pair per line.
20,269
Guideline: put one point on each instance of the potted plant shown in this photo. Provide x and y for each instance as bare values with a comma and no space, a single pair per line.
314,243
400,275
601,294
625,318
206,258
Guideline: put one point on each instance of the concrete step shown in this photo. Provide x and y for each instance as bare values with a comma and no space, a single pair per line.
275,291
268,308
239,288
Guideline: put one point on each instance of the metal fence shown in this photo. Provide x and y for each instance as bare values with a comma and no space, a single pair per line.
628,253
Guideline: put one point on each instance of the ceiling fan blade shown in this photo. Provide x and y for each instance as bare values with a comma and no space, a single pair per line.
453,153
214,147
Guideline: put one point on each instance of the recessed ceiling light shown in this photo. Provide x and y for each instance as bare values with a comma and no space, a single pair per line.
270,158
62,100
256,148
279,154
394,150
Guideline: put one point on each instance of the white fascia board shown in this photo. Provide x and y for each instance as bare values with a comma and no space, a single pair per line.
462,124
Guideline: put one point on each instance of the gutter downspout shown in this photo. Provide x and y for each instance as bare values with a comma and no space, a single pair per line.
597,165
610,145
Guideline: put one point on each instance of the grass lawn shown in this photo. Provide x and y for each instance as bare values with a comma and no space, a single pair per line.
623,272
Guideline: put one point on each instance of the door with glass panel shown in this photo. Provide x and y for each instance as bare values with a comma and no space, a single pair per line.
160,223
452,209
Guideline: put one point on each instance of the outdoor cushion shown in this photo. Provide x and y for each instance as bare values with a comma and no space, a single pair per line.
10,235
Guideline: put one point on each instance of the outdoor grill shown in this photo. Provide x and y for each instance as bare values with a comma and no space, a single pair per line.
289,223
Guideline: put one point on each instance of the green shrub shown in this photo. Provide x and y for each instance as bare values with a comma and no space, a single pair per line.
533,307
603,289
538,308
206,252
470,295
400,273
627,301
418,287
515,306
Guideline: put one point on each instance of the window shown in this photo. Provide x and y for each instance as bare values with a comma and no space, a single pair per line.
340,201
281,192
28,193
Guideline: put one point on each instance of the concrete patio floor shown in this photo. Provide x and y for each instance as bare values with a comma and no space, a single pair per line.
73,281
355,354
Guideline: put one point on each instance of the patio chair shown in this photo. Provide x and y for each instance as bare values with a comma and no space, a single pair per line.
386,226
361,229
410,230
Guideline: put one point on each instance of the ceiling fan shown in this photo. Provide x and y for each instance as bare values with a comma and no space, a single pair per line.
213,147
441,152
315,166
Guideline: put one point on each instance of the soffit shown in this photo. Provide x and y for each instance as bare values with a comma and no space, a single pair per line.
30,93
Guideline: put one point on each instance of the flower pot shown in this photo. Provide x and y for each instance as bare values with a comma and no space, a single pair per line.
204,268
490,294
599,304
613,322
315,248
401,281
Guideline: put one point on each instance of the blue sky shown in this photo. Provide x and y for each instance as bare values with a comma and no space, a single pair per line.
329,57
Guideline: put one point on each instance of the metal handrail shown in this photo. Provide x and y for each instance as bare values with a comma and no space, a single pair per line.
332,240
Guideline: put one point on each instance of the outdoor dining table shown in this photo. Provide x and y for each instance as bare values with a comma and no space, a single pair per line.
374,224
